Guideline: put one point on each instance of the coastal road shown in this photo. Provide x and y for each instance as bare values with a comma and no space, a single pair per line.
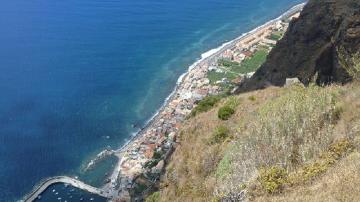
66,180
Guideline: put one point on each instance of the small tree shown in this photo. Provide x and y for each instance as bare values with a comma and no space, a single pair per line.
225,112
220,134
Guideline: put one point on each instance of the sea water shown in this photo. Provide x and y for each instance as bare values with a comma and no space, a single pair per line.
80,76
66,193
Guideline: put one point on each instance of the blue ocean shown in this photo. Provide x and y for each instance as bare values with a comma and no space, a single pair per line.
80,76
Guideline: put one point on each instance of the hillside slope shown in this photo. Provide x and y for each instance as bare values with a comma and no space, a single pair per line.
280,144
293,143
321,45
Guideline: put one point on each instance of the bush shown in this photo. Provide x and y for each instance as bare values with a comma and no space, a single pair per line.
155,197
220,134
157,155
151,163
328,158
252,98
273,179
206,104
225,112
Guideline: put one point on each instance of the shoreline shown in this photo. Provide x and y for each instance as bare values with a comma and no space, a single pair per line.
156,136
208,55
134,141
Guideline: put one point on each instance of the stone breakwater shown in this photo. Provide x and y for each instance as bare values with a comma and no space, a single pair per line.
35,194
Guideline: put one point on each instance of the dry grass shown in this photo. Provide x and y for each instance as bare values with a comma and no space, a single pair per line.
340,183
351,64
288,128
285,131
324,178
190,174
275,180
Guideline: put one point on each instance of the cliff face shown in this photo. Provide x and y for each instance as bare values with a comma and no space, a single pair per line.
281,144
320,45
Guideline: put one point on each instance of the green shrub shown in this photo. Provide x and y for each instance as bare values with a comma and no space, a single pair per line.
252,98
140,188
319,166
225,112
155,197
206,104
157,155
220,134
273,179
151,163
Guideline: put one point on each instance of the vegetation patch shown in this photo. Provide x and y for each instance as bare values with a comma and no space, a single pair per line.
157,154
220,135
328,158
227,63
253,63
140,188
214,76
155,159
232,69
288,130
225,112
276,35
206,104
151,163
224,167
252,98
155,197
273,179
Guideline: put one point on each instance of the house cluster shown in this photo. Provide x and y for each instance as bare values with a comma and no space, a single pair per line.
160,135
247,46
146,155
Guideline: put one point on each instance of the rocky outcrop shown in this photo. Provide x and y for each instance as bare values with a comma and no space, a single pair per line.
319,46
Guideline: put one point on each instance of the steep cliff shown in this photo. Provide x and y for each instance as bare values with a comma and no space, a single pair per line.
281,144
321,45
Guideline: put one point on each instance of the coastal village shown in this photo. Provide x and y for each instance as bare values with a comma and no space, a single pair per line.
144,159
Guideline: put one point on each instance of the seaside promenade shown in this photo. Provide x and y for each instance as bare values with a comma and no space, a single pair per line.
66,180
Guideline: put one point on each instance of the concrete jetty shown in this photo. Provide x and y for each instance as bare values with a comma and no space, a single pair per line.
66,180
